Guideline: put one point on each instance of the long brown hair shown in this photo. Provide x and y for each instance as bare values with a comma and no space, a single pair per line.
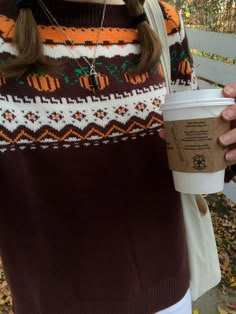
30,48
151,47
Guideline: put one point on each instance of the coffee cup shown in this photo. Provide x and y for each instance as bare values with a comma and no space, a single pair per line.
193,125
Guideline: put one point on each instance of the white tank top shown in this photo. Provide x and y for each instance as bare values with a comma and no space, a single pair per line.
184,306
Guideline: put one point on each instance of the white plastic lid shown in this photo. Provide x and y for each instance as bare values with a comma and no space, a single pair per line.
197,98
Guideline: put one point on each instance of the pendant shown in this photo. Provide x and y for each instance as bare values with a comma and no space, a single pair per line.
93,79
103,82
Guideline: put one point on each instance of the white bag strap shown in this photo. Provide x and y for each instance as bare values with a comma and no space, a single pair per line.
156,20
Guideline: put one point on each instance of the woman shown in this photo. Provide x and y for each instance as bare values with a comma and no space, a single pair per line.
90,221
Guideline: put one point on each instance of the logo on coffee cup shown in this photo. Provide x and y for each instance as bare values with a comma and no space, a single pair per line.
199,162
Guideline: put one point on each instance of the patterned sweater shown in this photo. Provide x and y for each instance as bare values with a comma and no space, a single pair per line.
90,221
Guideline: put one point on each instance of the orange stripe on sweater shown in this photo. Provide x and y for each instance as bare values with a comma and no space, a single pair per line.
78,36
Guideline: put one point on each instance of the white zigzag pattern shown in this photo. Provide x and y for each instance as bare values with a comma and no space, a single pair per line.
50,143
76,52
60,51
100,113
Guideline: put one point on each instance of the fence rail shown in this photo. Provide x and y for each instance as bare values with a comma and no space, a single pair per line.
220,44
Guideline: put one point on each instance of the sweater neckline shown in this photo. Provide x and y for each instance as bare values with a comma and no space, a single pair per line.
75,14
83,14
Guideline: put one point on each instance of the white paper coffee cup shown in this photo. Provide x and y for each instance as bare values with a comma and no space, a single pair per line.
193,124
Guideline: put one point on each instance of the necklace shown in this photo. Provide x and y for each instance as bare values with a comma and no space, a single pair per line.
93,75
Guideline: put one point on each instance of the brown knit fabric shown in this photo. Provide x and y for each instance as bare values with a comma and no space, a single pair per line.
90,221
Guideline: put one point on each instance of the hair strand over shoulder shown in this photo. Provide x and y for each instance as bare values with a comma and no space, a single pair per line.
151,47
30,48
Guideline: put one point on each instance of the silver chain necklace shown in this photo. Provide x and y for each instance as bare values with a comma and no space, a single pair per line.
93,75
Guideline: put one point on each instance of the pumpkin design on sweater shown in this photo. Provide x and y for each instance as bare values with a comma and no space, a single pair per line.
43,83
185,67
171,16
136,79
2,79
160,70
103,82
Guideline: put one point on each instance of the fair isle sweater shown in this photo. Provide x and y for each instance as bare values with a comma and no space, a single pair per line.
90,222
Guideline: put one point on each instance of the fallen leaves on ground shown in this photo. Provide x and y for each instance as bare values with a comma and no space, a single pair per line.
5,294
223,213
229,309
224,221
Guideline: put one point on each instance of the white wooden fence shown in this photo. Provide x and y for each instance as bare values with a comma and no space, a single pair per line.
213,71
214,43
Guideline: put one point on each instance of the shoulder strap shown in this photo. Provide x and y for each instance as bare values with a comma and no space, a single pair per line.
156,20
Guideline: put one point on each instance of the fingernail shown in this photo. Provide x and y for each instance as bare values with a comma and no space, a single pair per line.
229,156
228,114
225,139
228,90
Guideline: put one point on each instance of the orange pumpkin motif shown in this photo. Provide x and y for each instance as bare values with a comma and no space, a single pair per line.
43,83
172,20
136,79
160,70
185,67
2,79
103,81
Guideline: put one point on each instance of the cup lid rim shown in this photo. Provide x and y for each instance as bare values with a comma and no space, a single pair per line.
199,93
197,103
190,95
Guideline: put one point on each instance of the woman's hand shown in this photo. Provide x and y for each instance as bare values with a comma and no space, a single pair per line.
229,114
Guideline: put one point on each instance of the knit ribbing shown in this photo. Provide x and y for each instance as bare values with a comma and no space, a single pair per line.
74,14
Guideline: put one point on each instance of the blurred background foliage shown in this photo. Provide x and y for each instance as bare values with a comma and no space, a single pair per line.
210,15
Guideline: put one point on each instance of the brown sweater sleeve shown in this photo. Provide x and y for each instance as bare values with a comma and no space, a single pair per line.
230,173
